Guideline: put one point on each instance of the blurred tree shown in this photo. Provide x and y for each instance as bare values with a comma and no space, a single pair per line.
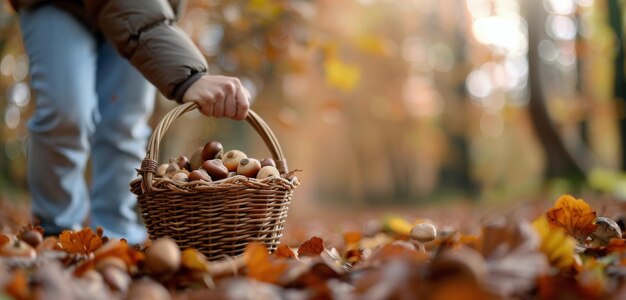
561,160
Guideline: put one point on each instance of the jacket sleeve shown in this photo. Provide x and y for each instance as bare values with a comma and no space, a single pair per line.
144,32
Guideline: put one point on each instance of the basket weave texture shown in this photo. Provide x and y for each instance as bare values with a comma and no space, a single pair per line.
217,218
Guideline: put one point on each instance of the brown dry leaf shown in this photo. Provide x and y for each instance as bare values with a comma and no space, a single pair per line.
259,265
193,260
284,251
513,257
395,251
312,247
352,237
112,248
614,246
574,215
4,239
458,288
84,241
17,287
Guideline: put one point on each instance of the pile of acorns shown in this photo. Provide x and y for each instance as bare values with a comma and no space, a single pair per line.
211,163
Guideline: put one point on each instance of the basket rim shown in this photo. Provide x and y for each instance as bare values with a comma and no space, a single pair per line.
150,162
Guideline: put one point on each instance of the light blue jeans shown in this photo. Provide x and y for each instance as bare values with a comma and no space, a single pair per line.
89,101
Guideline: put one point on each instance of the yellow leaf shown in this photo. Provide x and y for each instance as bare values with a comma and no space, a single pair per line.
373,45
573,215
264,8
194,260
341,75
352,237
398,225
555,244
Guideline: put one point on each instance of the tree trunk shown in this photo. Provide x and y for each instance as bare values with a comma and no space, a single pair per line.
561,161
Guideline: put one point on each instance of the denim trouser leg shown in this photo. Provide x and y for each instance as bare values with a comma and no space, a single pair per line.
126,101
88,99
62,67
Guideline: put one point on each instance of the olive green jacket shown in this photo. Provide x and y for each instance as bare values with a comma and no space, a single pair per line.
145,33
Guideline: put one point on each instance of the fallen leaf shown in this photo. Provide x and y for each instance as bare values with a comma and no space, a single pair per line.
398,250
284,251
573,215
17,287
259,265
84,241
352,237
312,247
353,256
555,244
614,246
514,258
112,248
4,239
193,260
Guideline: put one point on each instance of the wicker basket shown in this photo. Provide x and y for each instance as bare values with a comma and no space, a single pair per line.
217,218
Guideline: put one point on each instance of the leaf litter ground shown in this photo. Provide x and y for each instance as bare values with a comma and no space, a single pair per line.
563,249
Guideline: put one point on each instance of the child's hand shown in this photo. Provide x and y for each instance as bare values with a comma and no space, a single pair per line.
219,96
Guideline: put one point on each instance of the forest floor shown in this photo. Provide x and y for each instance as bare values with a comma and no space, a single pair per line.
563,248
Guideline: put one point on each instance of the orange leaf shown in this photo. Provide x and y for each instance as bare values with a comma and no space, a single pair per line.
193,260
352,237
284,252
17,287
312,247
259,265
4,239
84,241
354,256
112,248
573,215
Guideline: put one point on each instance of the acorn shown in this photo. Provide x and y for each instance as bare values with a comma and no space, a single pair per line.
32,237
181,175
215,168
249,167
232,158
163,256
116,279
268,161
267,171
181,161
195,162
200,174
606,231
423,233
161,170
172,168
111,261
147,289
17,248
211,149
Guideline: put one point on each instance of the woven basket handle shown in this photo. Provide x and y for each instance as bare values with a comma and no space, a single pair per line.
149,164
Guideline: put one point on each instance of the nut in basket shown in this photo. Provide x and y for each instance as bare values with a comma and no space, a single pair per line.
218,215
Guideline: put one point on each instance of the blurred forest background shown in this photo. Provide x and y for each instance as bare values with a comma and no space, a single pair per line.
398,101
